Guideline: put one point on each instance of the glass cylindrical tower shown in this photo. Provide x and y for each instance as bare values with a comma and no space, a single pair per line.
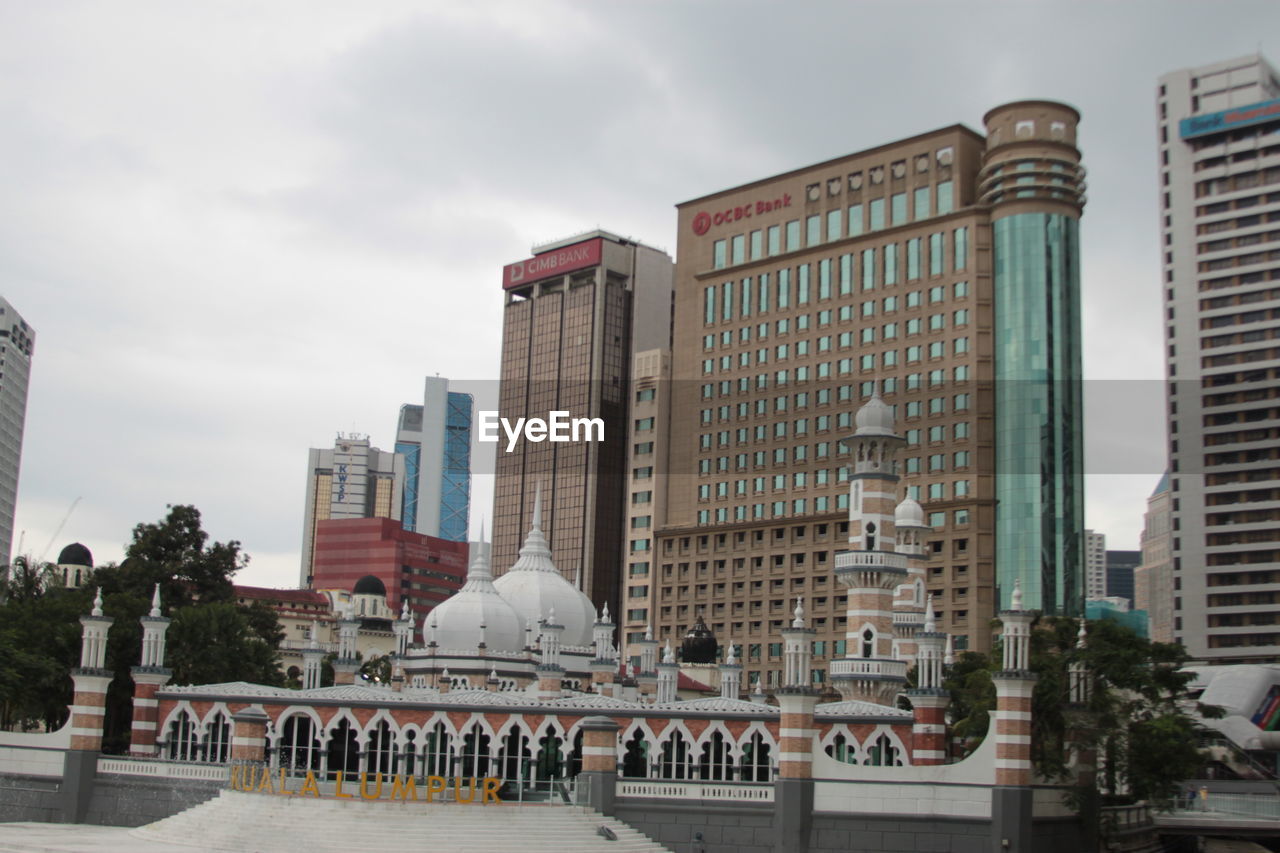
1034,183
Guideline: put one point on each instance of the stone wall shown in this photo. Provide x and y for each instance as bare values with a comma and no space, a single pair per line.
725,829
134,801
30,798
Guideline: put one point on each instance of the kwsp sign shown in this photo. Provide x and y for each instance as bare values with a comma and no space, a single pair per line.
400,787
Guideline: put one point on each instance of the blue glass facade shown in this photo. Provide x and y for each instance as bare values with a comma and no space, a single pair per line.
1039,452
412,453
455,475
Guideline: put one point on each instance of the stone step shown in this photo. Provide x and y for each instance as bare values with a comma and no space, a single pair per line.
263,822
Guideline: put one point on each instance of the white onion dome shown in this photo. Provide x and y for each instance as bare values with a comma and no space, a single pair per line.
535,587
457,621
909,514
875,417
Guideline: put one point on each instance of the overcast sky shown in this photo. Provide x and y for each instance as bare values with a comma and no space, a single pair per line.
239,228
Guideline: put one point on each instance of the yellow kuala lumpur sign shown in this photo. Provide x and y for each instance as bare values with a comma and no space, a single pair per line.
260,780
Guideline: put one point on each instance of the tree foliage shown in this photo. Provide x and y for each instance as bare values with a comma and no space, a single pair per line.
1135,718
211,638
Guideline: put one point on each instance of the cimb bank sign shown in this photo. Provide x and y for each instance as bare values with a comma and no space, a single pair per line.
557,426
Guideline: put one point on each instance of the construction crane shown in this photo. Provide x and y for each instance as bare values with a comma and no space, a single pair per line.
54,537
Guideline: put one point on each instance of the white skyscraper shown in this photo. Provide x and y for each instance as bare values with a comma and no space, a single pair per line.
1219,172
1095,565
17,341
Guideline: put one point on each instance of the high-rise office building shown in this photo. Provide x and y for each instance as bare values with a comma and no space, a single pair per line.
1121,566
1153,578
1095,564
435,440
17,342
576,314
1219,172
646,490
938,267
349,480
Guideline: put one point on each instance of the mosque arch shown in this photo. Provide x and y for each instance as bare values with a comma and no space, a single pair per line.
297,745
342,750
635,753
883,748
182,736
755,763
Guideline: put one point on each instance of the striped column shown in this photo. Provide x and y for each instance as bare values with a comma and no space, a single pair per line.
550,678
929,732
147,681
88,708
249,735
795,732
600,762
1013,727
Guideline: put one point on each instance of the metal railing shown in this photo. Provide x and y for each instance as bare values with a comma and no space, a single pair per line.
676,790
162,769
1263,806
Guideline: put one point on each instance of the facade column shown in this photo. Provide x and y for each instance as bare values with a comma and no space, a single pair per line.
88,711
928,699
148,678
249,735
1011,799
600,762
793,789
668,677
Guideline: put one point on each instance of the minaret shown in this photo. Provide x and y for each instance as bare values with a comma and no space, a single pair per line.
730,674
91,678
797,650
668,676
871,569
550,672
793,790
312,659
647,679
604,666
148,678
346,665
404,630
1015,684
928,698
908,604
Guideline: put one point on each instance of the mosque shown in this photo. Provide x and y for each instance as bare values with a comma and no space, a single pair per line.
519,679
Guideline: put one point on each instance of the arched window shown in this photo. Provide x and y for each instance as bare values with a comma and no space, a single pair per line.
883,753
218,748
408,758
755,759
299,748
674,760
435,751
344,752
635,758
380,757
868,643
182,740
515,754
475,752
549,764
871,535
714,765
841,749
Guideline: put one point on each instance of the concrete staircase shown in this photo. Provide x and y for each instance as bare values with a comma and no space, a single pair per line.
266,823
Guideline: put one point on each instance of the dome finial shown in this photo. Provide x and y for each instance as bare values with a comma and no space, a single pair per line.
668,655
537,508
930,620
97,604
155,602
731,657
1015,601
1080,635
798,622
648,631
605,616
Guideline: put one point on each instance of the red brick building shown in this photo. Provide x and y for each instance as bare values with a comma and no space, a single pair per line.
424,569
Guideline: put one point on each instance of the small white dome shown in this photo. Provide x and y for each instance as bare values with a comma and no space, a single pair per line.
534,586
875,417
455,622
909,514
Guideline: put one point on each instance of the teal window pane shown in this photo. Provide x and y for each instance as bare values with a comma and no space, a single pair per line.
868,269
739,250
709,304
802,285
764,293
855,220
717,254
813,230
846,274
913,258
935,254
921,203
876,212
775,240
945,204
960,248
757,245
891,264
835,225
898,204
784,288
793,235
824,278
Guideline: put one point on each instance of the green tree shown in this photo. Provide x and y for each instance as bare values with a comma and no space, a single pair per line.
211,643
1135,716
